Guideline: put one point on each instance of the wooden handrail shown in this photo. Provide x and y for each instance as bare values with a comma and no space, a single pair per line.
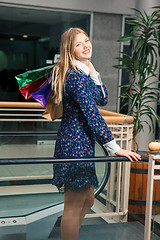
113,117
20,105
109,117
109,113
117,119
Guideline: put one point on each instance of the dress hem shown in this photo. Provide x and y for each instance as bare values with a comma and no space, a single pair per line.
64,187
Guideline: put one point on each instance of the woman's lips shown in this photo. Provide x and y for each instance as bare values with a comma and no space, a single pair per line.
86,51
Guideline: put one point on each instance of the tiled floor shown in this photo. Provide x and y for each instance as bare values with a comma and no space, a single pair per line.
114,231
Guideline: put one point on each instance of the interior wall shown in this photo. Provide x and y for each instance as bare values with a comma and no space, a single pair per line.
105,49
104,6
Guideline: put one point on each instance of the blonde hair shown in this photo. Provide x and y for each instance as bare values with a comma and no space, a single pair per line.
66,61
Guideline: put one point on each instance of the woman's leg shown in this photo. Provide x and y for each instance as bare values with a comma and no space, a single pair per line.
75,207
87,204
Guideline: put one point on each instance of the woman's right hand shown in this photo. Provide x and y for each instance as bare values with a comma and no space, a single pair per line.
129,154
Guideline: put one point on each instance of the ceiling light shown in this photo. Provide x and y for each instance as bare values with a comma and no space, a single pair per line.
25,36
11,39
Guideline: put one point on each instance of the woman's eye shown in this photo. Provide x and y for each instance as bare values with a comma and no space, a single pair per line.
87,40
78,44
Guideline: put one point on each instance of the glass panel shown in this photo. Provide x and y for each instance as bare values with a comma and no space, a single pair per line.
31,208
26,193
26,189
39,145
29,39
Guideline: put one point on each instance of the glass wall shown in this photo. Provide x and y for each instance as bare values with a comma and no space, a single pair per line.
29,39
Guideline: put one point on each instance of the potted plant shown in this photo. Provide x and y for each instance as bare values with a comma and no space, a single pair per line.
142,91
142,65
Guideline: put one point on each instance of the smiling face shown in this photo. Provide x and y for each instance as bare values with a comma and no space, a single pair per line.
82,48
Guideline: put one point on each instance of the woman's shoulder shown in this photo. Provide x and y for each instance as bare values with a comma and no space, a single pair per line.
75,71
75,78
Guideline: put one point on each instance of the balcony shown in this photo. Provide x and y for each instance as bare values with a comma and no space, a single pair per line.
31,208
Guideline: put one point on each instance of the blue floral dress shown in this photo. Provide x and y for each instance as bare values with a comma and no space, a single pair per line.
81,125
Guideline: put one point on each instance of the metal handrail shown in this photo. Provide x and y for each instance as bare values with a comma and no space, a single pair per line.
7,161
10,161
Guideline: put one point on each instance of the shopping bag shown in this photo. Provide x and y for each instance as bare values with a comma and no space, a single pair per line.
37,84
31,76
52,110
32,87
43,93
32,80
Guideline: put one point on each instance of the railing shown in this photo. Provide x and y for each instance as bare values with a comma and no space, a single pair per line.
108,159
15,161
110,117
25,111
121,209
40,161
152,176
121,127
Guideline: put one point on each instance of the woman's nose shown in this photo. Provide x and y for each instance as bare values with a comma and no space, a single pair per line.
85,45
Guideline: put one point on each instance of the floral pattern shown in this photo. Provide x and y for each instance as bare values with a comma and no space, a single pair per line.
81,125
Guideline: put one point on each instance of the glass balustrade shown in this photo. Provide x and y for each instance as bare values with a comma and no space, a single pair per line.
26,193
31,207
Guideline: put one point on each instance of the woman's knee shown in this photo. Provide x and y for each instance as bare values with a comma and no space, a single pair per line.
89,202
73,211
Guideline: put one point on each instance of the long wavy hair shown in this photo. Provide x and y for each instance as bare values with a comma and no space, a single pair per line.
66,61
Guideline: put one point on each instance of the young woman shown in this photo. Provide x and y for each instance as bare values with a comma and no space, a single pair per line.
78,84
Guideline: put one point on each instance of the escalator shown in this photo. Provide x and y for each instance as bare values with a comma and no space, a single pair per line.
29,208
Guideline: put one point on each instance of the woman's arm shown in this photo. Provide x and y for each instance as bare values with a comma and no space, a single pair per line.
79,89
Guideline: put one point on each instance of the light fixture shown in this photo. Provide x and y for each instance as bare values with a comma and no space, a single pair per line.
11,39
25,36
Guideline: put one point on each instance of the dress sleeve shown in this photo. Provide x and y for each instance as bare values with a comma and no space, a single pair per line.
78,87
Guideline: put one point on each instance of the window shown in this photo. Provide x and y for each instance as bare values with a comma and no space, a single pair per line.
29,39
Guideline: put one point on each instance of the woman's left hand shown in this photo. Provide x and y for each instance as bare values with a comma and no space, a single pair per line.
130,155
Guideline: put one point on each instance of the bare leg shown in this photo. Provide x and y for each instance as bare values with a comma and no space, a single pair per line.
87,204
74,212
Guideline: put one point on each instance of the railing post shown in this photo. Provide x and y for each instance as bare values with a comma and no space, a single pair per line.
148,215
155,147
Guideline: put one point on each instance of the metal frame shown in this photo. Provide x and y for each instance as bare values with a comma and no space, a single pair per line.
120,70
